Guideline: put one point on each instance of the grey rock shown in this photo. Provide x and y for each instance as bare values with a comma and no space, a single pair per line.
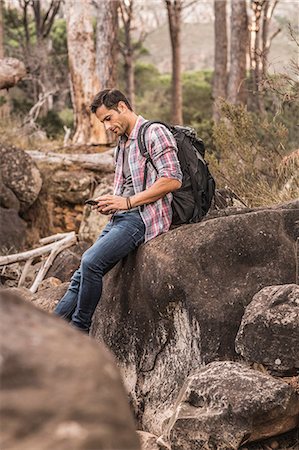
269,331
20,175
93,223
226,404
177,303
12,231
59,389
67,262
148,441
71,186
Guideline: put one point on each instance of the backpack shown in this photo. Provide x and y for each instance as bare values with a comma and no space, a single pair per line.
193,200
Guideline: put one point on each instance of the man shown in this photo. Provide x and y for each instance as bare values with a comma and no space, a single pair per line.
138,215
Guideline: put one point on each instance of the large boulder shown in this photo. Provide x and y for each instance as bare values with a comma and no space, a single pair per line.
12,70
177,303
59,389
20,176
269,331
226,404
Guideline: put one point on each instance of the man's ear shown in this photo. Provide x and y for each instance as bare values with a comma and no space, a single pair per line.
121,106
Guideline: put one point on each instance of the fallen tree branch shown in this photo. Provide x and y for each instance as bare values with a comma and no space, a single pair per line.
92,161
54,244
59,246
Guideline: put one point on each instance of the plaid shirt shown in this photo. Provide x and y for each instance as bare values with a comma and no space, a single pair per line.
162,148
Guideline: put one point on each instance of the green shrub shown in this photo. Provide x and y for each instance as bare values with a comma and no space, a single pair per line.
251,153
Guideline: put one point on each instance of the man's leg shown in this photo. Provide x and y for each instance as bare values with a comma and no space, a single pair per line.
126,233
67,305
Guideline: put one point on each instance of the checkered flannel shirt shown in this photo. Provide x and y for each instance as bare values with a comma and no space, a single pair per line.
162,148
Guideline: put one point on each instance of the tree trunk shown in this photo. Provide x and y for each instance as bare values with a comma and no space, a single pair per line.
255,101
220,59
85,84
127,50
130,77
4,97
174,9
236,89
107,34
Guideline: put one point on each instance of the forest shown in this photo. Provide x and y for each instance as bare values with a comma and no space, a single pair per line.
173,336
243,110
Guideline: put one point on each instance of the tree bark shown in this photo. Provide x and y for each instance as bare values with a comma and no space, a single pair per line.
236,89
127,50
4,97
84,81
106,42
220,59
259,46
174,10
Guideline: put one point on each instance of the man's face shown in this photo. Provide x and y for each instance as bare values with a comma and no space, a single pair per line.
114,120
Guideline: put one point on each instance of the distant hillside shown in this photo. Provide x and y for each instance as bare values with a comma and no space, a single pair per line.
198,45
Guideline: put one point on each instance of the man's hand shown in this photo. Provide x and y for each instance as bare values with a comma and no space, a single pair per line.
109,204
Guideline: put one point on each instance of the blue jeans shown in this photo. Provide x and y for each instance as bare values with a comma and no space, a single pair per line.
121,235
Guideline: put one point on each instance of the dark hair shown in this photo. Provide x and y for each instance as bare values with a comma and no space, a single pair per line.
110,99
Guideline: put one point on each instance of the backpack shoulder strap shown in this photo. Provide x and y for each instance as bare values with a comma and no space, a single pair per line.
141,139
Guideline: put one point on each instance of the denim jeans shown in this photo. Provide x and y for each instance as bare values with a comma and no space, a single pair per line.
121,235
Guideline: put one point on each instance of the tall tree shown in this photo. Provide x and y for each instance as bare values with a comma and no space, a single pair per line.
106,42
220,55
259,47
236,89
174,11
4,98
127,48
84,81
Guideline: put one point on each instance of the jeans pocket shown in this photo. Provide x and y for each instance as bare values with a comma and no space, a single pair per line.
138,236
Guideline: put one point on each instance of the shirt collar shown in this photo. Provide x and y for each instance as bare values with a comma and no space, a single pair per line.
134,132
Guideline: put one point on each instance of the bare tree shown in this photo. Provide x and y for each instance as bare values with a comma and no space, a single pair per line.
1,31
38,54
259,47
4,98
174,11
82,65
106,41
236,89
220,58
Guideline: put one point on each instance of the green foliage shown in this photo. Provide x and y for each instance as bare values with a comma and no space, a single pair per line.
58,37
67,117
14,36
197,100
52,124
2,100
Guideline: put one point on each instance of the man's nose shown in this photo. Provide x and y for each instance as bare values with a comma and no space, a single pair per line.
107,125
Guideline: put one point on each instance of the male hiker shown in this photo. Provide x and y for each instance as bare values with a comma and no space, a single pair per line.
138,213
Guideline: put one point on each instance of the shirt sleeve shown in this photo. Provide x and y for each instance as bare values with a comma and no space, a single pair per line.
163,151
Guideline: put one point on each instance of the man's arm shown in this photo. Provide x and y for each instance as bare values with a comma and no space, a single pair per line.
159,189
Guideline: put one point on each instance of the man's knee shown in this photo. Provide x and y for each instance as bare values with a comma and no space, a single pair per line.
88,264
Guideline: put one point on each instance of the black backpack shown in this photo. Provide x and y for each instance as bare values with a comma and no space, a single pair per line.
193,200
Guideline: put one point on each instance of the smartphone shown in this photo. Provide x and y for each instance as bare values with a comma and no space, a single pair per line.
91,202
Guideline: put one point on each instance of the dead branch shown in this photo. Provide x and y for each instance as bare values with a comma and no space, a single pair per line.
58,247
54,244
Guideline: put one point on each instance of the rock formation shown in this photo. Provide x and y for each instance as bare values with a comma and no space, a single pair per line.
269,331
226,404
177,303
